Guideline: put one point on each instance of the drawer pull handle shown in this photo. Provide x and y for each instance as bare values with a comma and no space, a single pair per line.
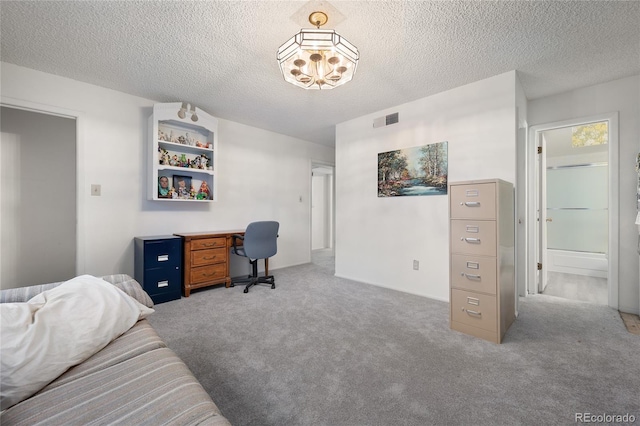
471,203
163,258
471,276
471,240
163,284
209,257
475,313
209,244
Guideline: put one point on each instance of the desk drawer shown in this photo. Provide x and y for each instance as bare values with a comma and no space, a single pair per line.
473,201
208,243
475,273
208,273
473,237
477,310
208,257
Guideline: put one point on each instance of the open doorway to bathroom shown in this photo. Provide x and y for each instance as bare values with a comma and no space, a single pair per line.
322,216
575,201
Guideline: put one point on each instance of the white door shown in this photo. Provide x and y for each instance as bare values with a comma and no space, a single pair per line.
542,214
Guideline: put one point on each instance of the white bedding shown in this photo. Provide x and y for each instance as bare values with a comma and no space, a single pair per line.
57,329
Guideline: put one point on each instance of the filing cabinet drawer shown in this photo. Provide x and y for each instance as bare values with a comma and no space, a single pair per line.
474,309
158,281
208,243
473,201
475,273
208,257
162,253
208,273
473,237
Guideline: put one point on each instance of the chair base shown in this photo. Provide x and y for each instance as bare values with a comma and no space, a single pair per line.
254,279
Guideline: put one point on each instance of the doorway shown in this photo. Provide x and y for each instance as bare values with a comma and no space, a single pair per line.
38,198
322,215
575,207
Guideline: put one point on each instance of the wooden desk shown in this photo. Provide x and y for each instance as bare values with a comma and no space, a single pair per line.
206,259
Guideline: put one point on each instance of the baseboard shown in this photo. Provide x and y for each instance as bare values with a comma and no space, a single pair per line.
440,299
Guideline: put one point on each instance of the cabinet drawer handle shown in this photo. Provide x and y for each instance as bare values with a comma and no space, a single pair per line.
163,284
478,314
471,240
209,244
470,276
471,203
163,258
209,257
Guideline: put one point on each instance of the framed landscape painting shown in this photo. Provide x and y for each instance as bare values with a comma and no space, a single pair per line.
420,170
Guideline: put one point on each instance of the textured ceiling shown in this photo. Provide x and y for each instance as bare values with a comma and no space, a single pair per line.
220,55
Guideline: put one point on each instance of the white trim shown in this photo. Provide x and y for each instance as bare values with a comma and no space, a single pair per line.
614,195
80,172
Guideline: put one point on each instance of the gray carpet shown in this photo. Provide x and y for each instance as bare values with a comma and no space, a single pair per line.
320,350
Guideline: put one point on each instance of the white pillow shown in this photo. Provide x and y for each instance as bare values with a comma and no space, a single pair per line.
57,329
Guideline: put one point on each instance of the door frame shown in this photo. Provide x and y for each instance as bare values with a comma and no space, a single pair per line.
614,194
78,116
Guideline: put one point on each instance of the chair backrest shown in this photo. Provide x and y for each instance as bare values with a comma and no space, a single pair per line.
260,239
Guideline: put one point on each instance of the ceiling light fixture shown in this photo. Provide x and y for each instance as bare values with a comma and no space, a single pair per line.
182,112
318,59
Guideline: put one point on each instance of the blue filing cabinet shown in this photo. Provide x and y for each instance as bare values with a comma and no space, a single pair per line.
158,266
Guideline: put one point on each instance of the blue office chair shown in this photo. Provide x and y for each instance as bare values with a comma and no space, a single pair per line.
258,242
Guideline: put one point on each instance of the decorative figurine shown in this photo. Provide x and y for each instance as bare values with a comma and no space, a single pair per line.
174,161
204,193
164,157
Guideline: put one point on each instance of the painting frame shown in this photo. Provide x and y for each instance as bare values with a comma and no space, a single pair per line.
182,191
414,171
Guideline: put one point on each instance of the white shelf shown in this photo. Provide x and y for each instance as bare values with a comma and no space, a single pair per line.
184,136
183,170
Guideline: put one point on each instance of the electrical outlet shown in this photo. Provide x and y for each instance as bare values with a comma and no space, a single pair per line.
95,189
416,265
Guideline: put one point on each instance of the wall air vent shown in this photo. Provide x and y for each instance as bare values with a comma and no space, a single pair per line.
386,120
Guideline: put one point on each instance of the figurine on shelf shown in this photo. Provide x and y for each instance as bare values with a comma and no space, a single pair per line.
183,161
172,138
164,157
204,162
174,160
182,140
200,144
161,135
204,193
192,193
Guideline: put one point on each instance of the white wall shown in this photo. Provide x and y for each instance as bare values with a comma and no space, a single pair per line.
623,96
262,174
377,239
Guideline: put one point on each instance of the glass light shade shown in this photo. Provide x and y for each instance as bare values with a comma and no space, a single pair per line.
318,59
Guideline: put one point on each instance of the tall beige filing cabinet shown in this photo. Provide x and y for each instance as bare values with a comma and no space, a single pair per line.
482,279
